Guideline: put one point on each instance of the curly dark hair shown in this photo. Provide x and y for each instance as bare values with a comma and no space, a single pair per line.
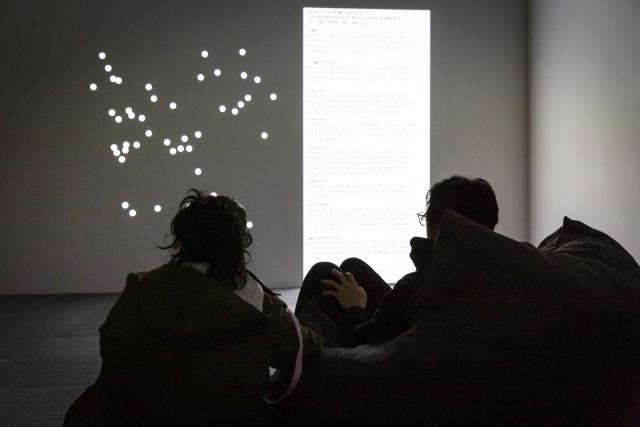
472,198
212,229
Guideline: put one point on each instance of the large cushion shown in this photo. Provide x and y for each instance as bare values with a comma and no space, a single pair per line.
502,333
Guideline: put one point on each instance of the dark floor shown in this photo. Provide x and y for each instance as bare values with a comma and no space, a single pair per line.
49,353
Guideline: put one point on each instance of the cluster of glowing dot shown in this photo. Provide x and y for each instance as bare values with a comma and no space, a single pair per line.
121,150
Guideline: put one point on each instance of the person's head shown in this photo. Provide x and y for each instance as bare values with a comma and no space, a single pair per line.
212,229
472,198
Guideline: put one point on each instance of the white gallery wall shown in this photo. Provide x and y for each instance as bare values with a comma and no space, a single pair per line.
585,116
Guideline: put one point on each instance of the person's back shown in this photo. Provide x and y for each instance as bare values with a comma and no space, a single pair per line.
181,347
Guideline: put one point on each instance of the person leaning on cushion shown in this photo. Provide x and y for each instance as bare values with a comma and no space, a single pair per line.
191,342
360,303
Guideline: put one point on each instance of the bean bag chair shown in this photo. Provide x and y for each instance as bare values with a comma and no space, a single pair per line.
502,333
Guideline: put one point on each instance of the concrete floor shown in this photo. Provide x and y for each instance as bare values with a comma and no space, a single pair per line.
49,353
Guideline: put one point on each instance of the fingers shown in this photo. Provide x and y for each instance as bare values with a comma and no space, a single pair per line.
350,277
332,294
341,277
331,283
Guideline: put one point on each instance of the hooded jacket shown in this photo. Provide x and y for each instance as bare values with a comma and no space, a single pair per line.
180,348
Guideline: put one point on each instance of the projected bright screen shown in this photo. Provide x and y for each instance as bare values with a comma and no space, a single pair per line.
366,135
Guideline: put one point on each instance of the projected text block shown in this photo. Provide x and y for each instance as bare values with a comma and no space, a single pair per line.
366,135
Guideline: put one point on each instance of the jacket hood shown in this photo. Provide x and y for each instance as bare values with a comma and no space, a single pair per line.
421,249
186,308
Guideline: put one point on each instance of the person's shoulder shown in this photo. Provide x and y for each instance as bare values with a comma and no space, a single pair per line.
407,281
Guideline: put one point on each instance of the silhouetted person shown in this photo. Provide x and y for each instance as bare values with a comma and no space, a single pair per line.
351,304
191,342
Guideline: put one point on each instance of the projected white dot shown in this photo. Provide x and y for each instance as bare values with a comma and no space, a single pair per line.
217,72
249,224
153,98
173,105
102,55
118,80
247,97
114,147
108,68
148,86
122,159
243,75
222,108
242,52
234,111
93,87
273,96
125,150
132,213
197,134
112,112
131,116
125,205
148,133
157,208
214,194
197,171
118,119
166,142
180,148
240,104
142,117
189,148
264,135
113,79
204,54
116,153
184,138
126,144
128,110
172,151
136,144
200,77
257,79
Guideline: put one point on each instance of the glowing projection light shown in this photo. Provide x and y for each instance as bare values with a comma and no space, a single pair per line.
108,68
131,116
173,105
184,138
122,159
264,135
234,111
114,147
204,54
222,108
111,112
148,133
126,144
125,205
180,148
217,72
273,96
136,144
197,134
166,142
93,87
113,78
242,52
118,119
172,151
116,153
142,117
125,150
189,148
157,208
214,194
118,80
240,104
128,110
197,171
132,213
247,97
200,77
257,79
243,75
249,224
153,98
102,55
148,86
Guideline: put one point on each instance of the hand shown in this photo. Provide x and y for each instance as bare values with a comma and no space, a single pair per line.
346,290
